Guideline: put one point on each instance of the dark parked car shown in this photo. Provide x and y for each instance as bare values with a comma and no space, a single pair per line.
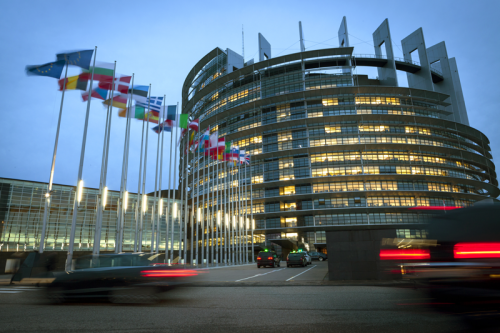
296,258
268,258
120,278
318,256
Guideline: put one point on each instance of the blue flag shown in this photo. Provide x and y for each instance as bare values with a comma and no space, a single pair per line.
52,69
154,103
79,58
171,111
164,126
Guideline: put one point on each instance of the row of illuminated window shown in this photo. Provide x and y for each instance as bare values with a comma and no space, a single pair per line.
346,219
367,170
354,202
365,186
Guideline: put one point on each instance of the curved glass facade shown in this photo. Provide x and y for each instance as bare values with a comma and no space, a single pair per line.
332,148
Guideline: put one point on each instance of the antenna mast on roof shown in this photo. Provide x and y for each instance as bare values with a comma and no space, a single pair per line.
242,43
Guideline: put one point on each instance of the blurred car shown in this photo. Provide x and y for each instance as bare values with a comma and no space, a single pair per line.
119,278
308,257
464,261
296,258
268,258
318,256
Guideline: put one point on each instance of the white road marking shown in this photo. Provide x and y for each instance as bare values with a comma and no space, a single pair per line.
276,270
301,273
10,291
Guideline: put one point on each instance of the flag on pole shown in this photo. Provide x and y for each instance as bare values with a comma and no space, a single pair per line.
203,141
194,125
78,58
119,101
122,83
219,150
242,156
133,112
247,159
183,121
78,82
165,126
102,71
96,93
52,69
140,93
154,103
171,112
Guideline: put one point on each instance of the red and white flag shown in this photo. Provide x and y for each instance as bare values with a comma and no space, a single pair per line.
122,83
194,125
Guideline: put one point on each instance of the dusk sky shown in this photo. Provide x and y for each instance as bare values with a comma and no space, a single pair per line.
160,41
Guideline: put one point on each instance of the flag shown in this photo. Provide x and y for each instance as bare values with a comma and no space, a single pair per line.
102,71
242,156
96,93
52,69
78,58
191,139
194,125
134,112
165,126
141,114
154,103
119,101
234,154
78,82
171,111
247,159
140,93
122,83
183,121
203,141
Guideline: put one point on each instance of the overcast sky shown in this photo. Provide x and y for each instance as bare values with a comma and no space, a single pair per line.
160,41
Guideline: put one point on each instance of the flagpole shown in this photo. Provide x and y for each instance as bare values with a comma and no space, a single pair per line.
225,212
252,226
102,182
246,211
240,257
169,193
80,172
207,253
119,209
173,183
191,254
123,211
233,208
51,177
202,250
183,208
186,207
154,213
160,199
212,209
138,228
217,211
144,199
197,210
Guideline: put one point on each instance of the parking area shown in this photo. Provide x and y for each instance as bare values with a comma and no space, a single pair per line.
250,273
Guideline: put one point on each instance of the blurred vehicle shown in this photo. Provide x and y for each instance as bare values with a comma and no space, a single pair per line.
268,258
464,262
318,256
308,257
119,278
296,258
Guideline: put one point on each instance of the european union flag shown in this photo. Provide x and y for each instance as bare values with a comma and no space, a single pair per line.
52,69
78,58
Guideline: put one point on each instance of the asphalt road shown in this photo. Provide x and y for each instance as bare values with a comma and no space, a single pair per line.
238,307
250,273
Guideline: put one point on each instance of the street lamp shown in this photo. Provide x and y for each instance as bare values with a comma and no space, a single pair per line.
125,201
104,197
79,191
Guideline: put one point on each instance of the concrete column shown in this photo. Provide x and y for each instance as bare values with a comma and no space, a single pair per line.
382,38
421,79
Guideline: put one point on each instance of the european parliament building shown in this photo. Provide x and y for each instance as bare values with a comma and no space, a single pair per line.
333,148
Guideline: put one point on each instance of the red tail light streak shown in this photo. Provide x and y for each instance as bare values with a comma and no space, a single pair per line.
404,254
169,273
476,250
